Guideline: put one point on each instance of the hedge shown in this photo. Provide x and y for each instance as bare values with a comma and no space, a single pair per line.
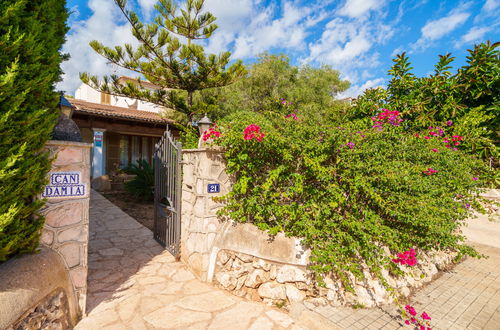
31,35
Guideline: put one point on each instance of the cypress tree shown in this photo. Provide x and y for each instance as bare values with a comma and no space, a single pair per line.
31,35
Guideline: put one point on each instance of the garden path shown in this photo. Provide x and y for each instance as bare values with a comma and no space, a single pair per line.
466,297
134,284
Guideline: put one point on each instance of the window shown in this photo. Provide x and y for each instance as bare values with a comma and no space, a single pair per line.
124,151
133,148
105,98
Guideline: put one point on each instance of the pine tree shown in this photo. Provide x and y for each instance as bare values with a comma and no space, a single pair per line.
31,35
164,60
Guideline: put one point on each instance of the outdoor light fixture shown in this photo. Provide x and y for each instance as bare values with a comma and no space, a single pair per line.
204,124
65,107
66,129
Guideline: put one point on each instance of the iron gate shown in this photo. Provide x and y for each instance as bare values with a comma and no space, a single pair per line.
167,193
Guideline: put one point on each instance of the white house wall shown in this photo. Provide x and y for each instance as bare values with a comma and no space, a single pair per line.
87,93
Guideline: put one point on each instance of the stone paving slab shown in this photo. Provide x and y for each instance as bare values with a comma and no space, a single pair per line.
135,284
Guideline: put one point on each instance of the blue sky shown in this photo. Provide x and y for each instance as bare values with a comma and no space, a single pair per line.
357,37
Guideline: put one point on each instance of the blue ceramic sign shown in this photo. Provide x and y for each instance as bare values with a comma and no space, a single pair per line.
213,188
64,184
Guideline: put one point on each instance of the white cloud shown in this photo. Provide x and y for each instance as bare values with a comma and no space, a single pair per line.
397,51
106,25
491,5
146,7
474,34
347,45
436,29
358,8
356,90
249,28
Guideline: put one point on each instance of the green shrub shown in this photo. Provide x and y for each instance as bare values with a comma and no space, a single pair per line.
189,137
31,35
468,100
141,186
349,191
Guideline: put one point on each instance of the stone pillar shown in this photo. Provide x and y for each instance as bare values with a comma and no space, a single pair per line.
66,228
99,160
204,177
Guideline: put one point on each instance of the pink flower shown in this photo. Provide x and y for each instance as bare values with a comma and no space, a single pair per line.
392,117
292,115
430,171
253,132
406,258
407,322
416,135
427,137
422,327
425,316
435,150
449,123
475,178
211,133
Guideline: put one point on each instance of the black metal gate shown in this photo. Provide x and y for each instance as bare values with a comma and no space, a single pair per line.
167,192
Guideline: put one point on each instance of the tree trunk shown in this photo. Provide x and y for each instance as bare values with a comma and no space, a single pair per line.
190,105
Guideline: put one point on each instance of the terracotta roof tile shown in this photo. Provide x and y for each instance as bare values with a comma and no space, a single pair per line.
111,111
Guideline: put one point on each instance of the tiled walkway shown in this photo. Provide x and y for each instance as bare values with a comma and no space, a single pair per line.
135,284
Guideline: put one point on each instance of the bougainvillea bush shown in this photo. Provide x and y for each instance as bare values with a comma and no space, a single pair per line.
349,190
467,102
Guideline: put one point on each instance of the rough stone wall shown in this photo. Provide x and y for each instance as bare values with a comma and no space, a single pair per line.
49,314
36,293
66,228
199,220
280,284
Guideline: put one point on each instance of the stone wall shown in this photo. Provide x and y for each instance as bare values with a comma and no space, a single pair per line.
249,263
277,283
66,228
199,220
50,313
36,293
